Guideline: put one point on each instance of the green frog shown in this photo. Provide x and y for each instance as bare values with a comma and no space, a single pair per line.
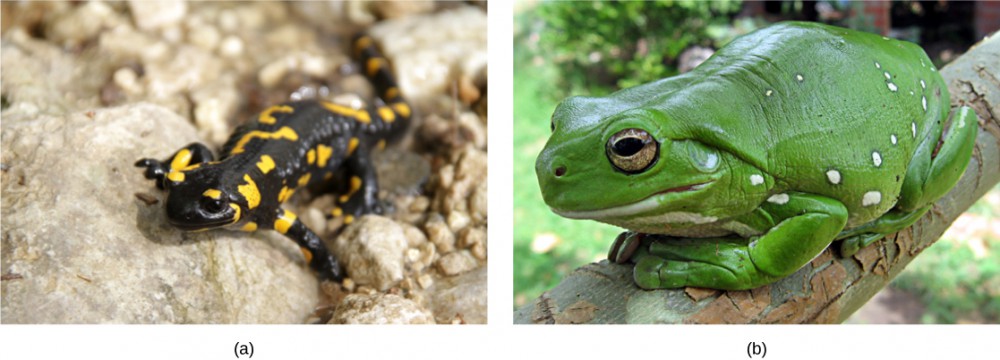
738,173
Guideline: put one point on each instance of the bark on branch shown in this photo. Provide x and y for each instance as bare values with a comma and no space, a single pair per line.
827,290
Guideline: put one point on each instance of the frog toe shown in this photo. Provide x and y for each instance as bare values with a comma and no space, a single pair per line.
647,273
624,247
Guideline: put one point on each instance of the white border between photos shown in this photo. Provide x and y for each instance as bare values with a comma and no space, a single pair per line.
499,339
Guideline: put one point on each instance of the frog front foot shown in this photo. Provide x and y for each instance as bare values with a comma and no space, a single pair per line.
625,246
719,263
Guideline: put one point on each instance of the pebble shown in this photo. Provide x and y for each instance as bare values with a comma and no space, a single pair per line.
414,237
380,309
456,262
440,234
372,251
149,15
425,281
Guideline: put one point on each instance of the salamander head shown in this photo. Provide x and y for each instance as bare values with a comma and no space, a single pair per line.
200,202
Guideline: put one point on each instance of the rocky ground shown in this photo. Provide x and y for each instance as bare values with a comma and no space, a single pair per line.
88,88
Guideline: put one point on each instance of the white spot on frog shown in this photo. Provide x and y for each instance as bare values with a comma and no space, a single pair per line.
892,87
923,101
877,65
833,176
885,38
871,198
923,85
756,179
799,77
911,92
887,76
877,158
913,127
893,138
780,199
768,92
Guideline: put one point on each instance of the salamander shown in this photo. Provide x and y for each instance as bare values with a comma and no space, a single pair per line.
287,147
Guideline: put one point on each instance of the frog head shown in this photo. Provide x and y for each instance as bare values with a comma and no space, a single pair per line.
627,167
201,202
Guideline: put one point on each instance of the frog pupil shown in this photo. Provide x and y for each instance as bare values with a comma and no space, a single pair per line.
628,146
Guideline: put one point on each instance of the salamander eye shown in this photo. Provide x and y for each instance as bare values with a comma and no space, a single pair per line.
214,206
632,150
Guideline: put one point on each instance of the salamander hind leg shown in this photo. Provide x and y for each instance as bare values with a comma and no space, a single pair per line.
361,196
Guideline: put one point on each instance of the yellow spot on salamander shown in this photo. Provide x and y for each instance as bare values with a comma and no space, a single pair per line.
285,194
323,153
359,115
381,144
250,192
304,179
307,254
391,93
181,160
361,44
249,227
355,186
284,221
266,164
213,193
402,109
348,219
311,156
175,176
386,114
371,68
236,215
284,132
337,212
352,145
266,116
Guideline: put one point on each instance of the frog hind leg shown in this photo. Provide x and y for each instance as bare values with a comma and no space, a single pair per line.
933,171
805,225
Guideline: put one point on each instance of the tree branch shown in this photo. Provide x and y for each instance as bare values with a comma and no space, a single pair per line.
828,289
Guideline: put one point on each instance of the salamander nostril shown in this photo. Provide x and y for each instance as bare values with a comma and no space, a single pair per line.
560,171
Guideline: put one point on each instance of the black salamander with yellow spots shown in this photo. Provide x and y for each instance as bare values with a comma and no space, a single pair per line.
289,146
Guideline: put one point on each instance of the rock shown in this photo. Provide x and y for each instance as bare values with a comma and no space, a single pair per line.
457,262
463,296
380,309
149,15
88,251
440,234
431,51
371,250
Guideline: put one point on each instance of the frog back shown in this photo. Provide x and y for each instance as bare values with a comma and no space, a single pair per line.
821,109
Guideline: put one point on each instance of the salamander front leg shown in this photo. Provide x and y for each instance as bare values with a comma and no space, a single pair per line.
171,169
315,252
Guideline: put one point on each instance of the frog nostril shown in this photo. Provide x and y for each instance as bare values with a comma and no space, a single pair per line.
560,171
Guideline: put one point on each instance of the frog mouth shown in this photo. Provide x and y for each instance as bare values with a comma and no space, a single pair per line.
650,202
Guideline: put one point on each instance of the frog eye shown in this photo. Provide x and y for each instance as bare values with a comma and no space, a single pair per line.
213,206
632,150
